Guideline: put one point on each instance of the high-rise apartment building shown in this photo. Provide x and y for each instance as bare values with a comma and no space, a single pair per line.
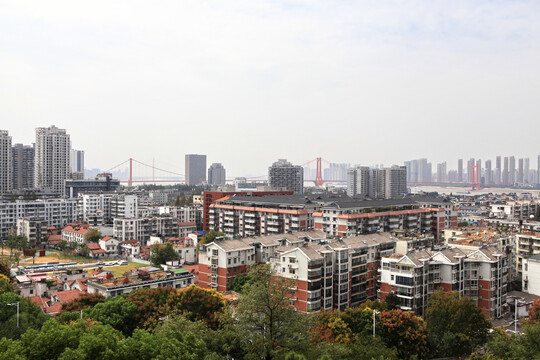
498,171
52,158
460,170
23,166
527,171
418,171
505,175
77,161
520,178
216,174
283,174
441,172
488,173
6,176
512,170
385,183
195,169
470,165
479,169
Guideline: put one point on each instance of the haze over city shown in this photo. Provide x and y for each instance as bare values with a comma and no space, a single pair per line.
250,82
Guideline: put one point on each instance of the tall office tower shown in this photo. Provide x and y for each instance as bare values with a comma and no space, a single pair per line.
441,172
23,166
52,159
195,169
498,170
479,169
488,173
505,176
470,165
284,174
527,171
76,161
512,170
460,170
216,174
6,176
520,178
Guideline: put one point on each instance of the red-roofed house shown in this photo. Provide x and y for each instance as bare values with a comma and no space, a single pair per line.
53,240
75,233
54,309
95,250
40,301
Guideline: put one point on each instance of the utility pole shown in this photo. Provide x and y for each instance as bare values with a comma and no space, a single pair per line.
374,313
16,304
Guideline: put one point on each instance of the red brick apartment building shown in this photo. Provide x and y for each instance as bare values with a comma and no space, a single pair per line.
327,274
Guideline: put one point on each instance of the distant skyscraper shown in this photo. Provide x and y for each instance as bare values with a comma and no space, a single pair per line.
52,158
479,169
441,172
23,166
527,171
520,178
284,174
418,171
538,171
498,171
460,170
470,165
77,161
216,174
505,173
488,177
6,176
195,169
512,170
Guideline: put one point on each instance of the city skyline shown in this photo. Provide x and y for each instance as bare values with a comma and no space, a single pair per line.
360,76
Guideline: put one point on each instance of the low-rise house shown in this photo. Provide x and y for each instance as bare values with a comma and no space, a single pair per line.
95,251
176,278
110,245
130,248
37,284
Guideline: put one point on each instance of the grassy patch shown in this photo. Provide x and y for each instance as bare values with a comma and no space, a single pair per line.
121,269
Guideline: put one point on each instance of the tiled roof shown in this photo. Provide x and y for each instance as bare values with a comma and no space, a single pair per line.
67,296
54,308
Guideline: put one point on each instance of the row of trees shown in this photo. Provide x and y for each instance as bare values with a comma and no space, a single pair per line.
195,323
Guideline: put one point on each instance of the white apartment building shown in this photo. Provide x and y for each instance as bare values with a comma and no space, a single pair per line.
34,229
95,209
110,245
55,212
531,275
52,155
6,162
480,274
124,206
142,228
528,244
387,183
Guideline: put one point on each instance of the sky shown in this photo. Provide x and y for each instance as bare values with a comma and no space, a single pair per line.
249,82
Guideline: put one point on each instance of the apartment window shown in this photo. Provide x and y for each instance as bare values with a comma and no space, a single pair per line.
292,271
292,260
229,261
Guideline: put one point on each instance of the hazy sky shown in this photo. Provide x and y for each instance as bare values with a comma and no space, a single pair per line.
248,82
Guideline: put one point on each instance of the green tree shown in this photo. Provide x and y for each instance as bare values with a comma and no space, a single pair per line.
116,312
30,315
5,284
455,325
404,332
392,301
161,253
62,245
265,316
238,283
93,235
84,251
210,236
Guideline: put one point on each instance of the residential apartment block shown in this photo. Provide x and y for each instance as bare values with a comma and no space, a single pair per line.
55,212
326,274
353,217
479,274
283,174
386,183
23,166
52,159
6,171
142,228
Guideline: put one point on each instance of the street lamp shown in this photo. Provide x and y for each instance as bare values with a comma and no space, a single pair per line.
16,304
374,313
